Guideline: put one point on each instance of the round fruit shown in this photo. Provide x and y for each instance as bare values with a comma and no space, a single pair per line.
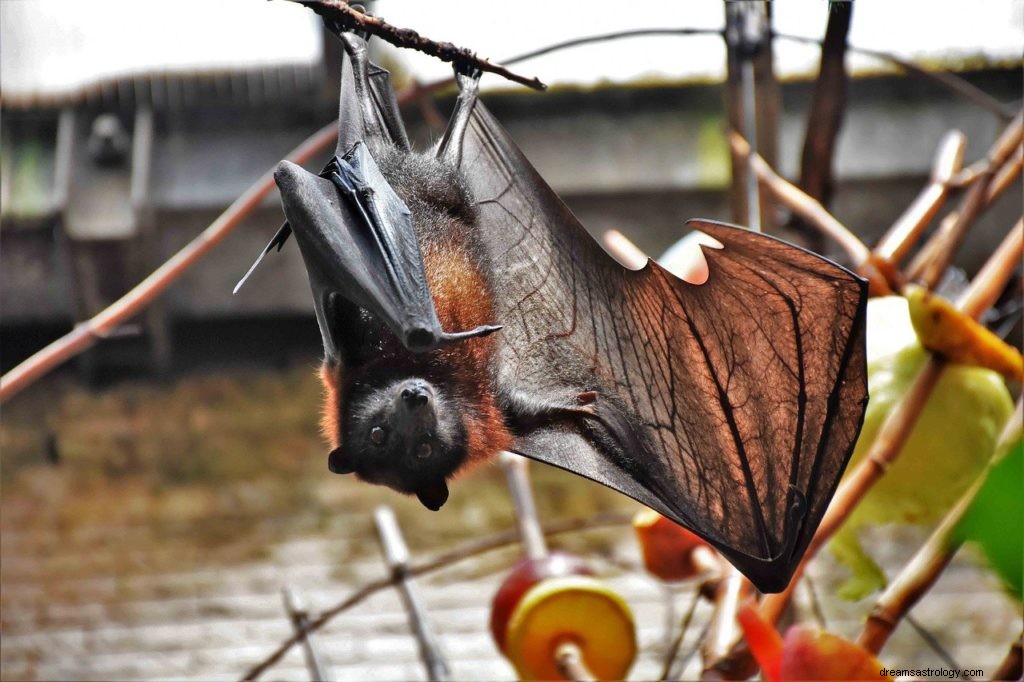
947,449
668,548
525,575
576,609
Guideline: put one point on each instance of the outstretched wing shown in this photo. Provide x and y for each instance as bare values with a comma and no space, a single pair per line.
748,390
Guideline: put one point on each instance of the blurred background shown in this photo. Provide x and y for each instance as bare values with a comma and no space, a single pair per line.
159,489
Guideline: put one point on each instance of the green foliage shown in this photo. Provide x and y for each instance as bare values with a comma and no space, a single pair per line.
995,520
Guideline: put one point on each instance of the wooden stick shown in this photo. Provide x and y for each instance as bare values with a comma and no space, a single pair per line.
530,534
904,233
396,554
828,103
725,631
295,606
87,333
568,655
918,576
569,660
348,18
801,203
985,289
1012,665
464,551
936,255
622,249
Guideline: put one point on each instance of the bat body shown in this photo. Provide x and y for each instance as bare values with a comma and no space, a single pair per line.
730,407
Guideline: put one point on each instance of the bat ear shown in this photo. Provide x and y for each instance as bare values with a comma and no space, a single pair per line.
433,496
337,464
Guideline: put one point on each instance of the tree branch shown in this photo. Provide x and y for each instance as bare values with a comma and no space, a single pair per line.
343,16
444,560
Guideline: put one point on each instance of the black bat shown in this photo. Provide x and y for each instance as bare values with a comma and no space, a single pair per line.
731,407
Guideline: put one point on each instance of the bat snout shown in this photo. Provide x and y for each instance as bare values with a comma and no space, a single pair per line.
414,394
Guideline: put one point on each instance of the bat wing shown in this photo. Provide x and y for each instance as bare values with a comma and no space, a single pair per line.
746,392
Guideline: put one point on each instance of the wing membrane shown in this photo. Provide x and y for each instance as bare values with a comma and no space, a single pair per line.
749,389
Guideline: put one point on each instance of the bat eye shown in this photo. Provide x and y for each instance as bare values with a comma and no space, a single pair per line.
423,450
377,435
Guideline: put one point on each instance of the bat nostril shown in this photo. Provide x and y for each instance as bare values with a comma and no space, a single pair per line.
415,395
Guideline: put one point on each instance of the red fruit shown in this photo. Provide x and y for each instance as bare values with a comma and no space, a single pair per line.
806,653
812,654
763,640
668,548
525,575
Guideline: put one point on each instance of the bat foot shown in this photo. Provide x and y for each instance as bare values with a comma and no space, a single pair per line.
452,337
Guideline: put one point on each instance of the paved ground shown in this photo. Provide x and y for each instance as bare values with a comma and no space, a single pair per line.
108,575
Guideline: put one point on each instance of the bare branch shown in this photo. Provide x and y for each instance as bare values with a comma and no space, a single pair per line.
948,80
444,560
802,204
935,256
904,233
348,18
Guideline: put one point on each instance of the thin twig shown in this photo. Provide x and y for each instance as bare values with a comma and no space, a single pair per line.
801,203
935,256
904,233
935,645
348,18
948,80
684,626
87,333
444,560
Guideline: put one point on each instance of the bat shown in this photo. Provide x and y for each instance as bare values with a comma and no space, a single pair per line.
464,311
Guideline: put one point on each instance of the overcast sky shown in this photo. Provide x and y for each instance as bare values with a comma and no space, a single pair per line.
54,46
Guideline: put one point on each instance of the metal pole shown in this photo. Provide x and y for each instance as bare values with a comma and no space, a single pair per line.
298,613
396,553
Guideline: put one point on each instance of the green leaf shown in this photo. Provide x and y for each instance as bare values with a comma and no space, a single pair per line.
995,520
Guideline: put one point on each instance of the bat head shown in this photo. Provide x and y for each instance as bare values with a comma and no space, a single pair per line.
406,434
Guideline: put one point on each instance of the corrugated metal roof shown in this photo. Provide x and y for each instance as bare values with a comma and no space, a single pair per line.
62,50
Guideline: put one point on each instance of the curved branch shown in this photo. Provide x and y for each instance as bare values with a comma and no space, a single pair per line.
460,553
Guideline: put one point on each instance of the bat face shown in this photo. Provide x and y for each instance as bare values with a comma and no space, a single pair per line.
405,434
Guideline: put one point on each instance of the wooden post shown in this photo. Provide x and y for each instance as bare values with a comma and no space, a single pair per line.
568,656
295,606
396,553
751,103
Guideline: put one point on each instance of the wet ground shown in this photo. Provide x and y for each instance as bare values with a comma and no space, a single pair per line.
147,530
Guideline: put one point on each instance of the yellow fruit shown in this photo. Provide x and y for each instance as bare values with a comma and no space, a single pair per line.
947,449
575,608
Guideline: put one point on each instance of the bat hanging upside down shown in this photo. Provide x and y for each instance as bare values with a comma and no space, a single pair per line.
465,311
